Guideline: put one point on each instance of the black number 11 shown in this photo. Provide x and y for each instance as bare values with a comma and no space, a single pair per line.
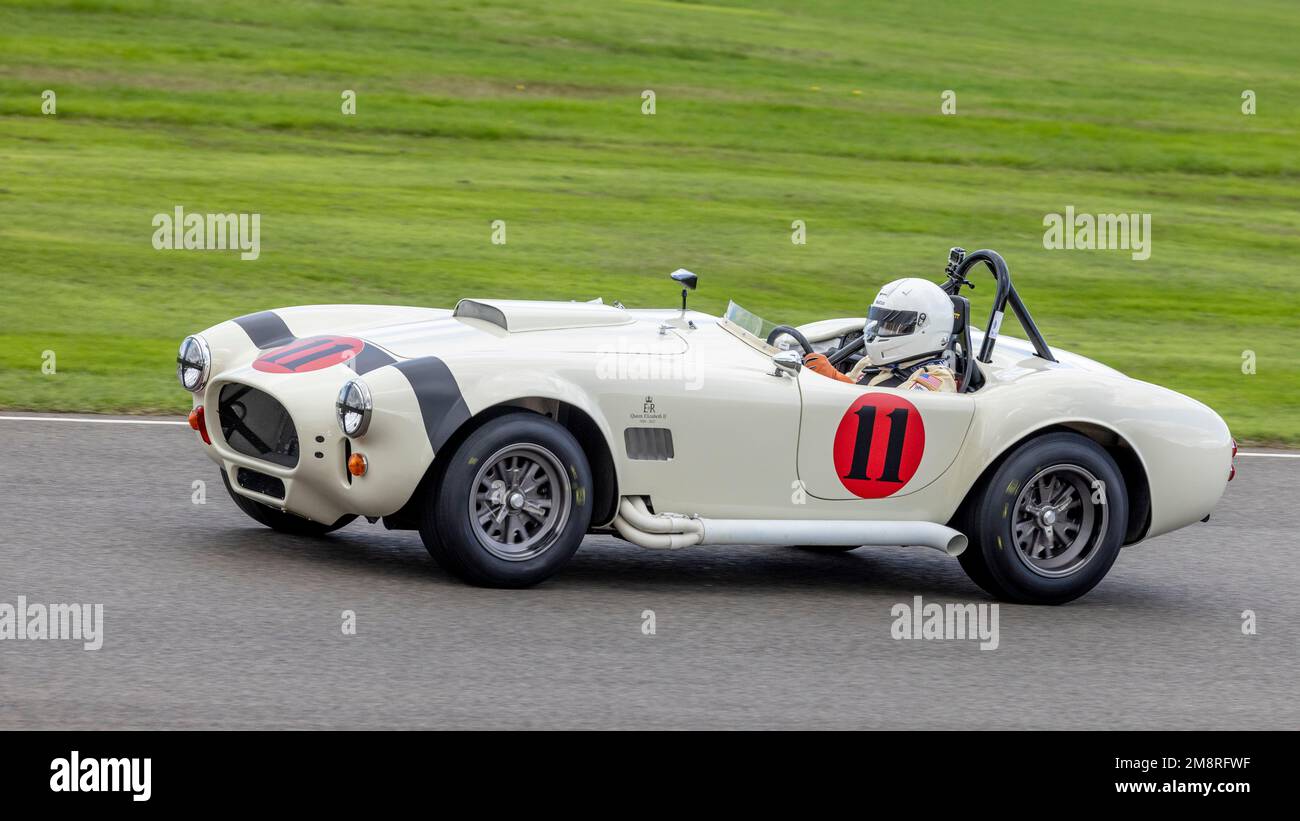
862,446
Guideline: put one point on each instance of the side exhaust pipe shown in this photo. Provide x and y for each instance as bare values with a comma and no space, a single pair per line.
671,531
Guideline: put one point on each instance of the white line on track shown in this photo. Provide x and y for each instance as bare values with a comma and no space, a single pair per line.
186,424
95,421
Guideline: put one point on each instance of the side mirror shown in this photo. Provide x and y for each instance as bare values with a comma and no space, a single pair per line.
688,282
686,278
788,363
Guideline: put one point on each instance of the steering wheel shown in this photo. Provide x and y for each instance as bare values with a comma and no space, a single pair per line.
835,357
786,330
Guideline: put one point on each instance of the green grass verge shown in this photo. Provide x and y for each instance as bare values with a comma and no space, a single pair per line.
767,112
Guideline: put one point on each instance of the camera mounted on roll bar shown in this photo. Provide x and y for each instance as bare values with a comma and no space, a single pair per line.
955,277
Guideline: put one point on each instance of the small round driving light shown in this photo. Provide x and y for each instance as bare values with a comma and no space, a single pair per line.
353,408
193,363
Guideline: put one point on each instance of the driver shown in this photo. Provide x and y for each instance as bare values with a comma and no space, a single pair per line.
905,337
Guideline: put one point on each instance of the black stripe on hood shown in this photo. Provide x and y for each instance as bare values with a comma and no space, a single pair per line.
369,359
266,329
441,403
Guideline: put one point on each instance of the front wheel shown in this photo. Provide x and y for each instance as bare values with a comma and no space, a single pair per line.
512,505
1050,522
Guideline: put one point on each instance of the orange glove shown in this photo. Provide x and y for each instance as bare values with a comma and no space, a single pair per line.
819,363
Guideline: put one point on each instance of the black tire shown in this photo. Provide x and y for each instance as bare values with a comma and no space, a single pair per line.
471,520
278,520
1019,556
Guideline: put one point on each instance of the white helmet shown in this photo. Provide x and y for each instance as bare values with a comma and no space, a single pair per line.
911,318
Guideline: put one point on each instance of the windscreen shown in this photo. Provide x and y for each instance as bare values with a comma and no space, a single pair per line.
750,321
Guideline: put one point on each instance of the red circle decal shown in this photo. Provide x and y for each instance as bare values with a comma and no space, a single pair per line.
309,354
878,445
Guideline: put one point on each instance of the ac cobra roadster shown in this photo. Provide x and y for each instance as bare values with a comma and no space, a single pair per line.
505,431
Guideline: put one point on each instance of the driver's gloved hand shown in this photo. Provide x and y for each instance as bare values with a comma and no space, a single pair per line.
819,363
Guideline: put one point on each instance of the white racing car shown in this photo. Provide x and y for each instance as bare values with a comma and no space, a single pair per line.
505,431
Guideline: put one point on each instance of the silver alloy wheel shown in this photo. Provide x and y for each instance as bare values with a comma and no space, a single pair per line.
519,502
1057,527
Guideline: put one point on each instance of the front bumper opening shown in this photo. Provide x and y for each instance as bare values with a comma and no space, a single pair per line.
255,424
260,483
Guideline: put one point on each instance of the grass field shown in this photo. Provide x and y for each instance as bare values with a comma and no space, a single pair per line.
766,113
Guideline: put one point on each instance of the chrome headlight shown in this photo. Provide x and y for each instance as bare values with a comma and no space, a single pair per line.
193,364
353,408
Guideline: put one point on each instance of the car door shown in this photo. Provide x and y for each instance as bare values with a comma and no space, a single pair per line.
858,443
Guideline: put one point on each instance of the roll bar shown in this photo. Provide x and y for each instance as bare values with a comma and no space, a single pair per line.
959,264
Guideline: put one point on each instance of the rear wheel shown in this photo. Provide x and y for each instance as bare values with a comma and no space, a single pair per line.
1050,522
512,505
278,520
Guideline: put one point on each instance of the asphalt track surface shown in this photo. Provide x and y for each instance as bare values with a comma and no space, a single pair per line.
211,621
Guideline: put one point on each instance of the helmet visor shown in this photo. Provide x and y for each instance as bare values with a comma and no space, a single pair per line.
884,322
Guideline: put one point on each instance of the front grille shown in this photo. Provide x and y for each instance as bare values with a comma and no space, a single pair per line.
260,483
256,424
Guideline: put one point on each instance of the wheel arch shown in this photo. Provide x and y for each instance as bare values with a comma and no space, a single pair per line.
1126,457
574,419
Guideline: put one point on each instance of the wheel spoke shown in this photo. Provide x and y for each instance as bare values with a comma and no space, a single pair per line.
529,480
1059,534
1063,498
538,508
514,527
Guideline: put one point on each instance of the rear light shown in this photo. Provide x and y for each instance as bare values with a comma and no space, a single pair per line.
197,422
1232,471
357,464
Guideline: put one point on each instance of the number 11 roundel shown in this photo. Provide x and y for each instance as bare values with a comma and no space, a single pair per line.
878,445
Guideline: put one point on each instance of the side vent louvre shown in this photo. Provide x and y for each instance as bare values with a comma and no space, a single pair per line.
648,444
